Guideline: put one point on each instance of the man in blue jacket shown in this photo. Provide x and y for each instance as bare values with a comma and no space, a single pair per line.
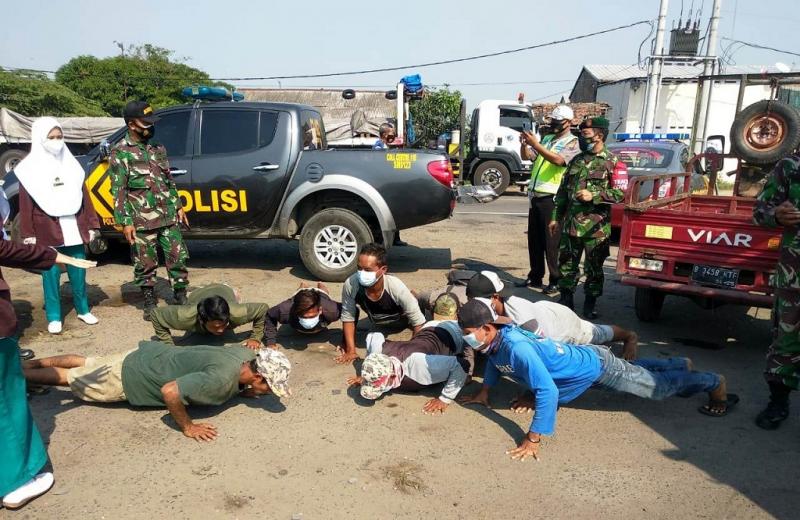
559,372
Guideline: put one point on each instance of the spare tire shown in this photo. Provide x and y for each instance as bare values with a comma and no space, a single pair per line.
765,132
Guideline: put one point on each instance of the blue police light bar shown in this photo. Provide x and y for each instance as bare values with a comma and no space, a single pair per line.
651,137
203,93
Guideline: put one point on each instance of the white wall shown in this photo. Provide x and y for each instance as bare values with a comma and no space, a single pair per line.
676,103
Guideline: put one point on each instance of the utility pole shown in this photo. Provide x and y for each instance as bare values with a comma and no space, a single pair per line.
654,76
700,129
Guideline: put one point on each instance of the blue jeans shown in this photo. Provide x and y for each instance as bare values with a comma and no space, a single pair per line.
652,378
51,281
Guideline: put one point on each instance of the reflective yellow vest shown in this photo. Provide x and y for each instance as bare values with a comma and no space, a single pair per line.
546,176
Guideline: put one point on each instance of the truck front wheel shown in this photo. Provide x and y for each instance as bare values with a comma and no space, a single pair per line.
330,241
493,174
648,303
10,159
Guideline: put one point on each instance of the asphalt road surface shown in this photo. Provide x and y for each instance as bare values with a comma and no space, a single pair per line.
327,453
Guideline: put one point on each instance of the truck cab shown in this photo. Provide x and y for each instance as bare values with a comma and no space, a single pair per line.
494,159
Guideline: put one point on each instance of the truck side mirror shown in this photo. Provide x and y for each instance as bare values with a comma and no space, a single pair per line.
715,143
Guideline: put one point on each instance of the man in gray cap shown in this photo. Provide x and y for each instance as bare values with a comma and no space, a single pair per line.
157,374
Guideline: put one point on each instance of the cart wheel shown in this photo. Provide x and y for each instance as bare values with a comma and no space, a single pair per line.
648,303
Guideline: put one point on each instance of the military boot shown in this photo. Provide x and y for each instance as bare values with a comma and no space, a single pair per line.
566,299
778,408
588,307
180,297
150,302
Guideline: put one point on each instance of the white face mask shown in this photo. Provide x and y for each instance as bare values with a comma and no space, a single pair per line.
367,278
309,323
54,146
472,340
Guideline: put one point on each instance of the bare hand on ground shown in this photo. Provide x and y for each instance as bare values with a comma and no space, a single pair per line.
201,431
76,262
434,406
252,344
523,404
354,381
345,357
525,449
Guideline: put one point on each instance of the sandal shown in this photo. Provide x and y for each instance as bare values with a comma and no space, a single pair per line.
728,404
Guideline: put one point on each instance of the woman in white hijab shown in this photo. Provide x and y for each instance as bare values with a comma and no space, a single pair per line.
55,211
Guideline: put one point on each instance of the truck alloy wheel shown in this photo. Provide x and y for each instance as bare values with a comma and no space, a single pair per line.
330,241
335,246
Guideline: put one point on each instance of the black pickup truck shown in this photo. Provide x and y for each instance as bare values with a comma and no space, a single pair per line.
263,170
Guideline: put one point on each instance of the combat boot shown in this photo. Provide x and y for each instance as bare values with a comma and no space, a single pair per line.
180,297
566,299
150,302
588,307
778,408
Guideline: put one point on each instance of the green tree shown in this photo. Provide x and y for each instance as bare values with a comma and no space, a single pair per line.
437,112
142,72
33,94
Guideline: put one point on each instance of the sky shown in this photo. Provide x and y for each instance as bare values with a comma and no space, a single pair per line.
256,39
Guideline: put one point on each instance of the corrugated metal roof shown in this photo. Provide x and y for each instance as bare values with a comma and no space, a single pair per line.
613,73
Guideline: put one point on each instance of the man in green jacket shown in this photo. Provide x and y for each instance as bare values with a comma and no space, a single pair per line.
212,309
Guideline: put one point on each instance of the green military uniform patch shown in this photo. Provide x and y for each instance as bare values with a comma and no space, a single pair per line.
585,225
783,356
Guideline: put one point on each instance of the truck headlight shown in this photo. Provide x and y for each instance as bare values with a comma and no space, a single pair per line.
645,264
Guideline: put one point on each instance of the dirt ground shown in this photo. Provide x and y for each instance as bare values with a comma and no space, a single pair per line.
326,453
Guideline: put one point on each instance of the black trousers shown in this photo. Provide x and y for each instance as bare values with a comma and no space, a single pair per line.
542,247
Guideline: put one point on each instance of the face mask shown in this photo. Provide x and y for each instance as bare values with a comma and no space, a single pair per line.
559,126
145,132
367,278
54,146
473,341
585,144
309,323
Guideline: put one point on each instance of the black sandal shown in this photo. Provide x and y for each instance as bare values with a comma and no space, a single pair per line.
729,403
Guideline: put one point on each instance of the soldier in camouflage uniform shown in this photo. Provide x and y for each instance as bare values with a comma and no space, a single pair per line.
583,210
147,206
778,205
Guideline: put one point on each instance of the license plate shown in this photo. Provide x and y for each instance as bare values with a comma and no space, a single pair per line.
717,276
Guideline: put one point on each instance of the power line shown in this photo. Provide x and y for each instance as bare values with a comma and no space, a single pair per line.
763,47
415,66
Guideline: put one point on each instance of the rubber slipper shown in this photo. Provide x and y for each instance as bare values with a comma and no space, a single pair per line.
729,403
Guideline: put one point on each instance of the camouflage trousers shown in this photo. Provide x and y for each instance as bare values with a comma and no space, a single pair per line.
569,258
783,356
144,254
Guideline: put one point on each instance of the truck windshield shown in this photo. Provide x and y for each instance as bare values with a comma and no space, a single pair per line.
313,130
516,118
643,156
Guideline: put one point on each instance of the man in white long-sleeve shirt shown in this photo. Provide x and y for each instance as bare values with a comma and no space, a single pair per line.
434,355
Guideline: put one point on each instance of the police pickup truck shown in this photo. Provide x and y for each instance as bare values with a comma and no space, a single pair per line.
263,170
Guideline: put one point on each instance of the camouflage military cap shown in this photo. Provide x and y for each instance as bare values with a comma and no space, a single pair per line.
595,122
275,367
376,371
445,307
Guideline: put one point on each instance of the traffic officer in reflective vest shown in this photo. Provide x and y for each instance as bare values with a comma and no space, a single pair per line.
583,211
550,159
147,206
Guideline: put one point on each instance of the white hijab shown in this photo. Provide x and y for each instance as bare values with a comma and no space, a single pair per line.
55,182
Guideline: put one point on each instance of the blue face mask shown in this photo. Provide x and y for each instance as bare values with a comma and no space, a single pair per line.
309,323
473,341
367,278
